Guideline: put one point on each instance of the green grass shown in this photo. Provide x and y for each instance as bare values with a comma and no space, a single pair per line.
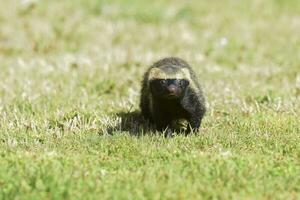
69,93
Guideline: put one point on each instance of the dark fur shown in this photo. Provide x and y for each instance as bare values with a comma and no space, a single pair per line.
190,105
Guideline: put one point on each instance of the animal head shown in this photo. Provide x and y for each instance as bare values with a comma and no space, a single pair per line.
168,82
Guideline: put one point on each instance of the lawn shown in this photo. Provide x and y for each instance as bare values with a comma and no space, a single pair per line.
69,94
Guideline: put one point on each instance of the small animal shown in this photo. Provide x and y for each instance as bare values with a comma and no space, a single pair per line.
170,93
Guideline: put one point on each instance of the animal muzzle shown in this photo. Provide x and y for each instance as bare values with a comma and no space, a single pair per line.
172,89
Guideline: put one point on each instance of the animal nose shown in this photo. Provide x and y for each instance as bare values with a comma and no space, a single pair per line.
172,88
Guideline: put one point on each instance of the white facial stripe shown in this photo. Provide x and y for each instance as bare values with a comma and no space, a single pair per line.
156,73
186,73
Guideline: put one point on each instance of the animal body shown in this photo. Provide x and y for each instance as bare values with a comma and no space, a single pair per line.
171,92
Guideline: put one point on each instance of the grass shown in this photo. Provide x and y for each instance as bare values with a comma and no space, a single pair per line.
69,92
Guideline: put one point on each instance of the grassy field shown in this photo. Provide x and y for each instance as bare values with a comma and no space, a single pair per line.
70,75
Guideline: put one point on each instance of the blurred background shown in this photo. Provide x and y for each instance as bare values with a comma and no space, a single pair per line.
86,51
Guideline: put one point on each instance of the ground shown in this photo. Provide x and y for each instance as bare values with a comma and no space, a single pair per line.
69,93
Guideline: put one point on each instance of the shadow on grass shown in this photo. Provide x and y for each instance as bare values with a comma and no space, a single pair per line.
131,122
135,124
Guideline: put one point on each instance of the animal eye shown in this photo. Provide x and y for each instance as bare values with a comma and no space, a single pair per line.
181,82
163,81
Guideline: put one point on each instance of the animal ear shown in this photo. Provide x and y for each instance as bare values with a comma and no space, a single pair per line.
154,73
